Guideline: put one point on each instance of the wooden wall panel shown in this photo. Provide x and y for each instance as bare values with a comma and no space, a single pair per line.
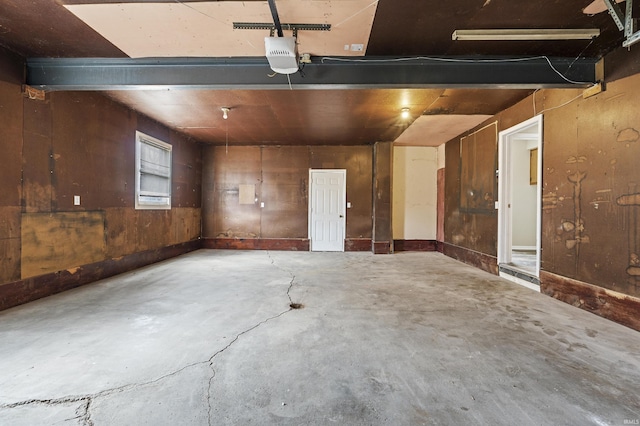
11,123
209,212
358,161
53,242
440,205
185,225
94,152
232,168
464,226
153,229
281,178
590,188
10,243
560,152
187,171
382,205
121,230
38,157
11,67
81,144
285,187
11,119
452,191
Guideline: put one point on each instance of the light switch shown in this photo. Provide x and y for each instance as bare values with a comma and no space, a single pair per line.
262,204
76,200
348,205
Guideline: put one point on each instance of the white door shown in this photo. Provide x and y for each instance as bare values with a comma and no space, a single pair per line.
327,209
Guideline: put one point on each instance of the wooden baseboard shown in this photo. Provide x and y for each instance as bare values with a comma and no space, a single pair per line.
618,307
470,257
357,244
382,247
285,244
415,245
18,292
276,244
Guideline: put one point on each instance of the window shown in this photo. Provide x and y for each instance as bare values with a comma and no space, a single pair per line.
153,173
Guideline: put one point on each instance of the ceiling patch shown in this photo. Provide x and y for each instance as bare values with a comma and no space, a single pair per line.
434,130
205,29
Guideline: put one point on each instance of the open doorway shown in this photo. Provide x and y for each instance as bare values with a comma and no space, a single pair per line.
519,202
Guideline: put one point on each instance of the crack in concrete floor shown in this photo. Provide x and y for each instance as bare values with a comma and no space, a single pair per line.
227,347
84,410
384,343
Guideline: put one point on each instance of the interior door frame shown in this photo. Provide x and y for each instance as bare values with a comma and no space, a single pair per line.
505,225
344,204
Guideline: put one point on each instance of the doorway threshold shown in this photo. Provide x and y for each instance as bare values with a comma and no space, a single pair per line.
519,276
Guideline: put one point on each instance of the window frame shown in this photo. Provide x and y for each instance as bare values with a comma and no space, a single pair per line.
152,201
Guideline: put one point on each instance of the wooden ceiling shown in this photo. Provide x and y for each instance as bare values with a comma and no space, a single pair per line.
46,28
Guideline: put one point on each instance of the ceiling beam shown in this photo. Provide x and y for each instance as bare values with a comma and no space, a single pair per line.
322,73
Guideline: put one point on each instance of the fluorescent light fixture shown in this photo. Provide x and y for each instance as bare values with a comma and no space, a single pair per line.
527,34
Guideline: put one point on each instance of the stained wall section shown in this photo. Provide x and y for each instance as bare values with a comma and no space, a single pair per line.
280,176
591,193
11,123
83,144
590,197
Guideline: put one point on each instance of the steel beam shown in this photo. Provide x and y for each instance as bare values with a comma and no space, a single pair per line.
322,73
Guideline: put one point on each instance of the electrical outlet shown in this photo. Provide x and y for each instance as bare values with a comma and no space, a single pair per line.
76,200
357,47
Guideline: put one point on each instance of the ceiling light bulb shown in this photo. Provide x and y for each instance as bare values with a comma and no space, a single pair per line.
405,113
225,112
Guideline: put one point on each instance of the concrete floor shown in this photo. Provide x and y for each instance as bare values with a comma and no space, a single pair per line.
412,338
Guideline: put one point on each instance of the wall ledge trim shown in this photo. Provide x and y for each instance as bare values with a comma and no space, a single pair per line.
618,307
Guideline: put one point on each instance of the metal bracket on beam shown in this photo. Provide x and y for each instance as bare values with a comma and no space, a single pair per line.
291,27
272,27
624,21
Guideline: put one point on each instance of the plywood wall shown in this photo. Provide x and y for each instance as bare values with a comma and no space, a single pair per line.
470,190
83,144
591,194
281,179
11,118
590,188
